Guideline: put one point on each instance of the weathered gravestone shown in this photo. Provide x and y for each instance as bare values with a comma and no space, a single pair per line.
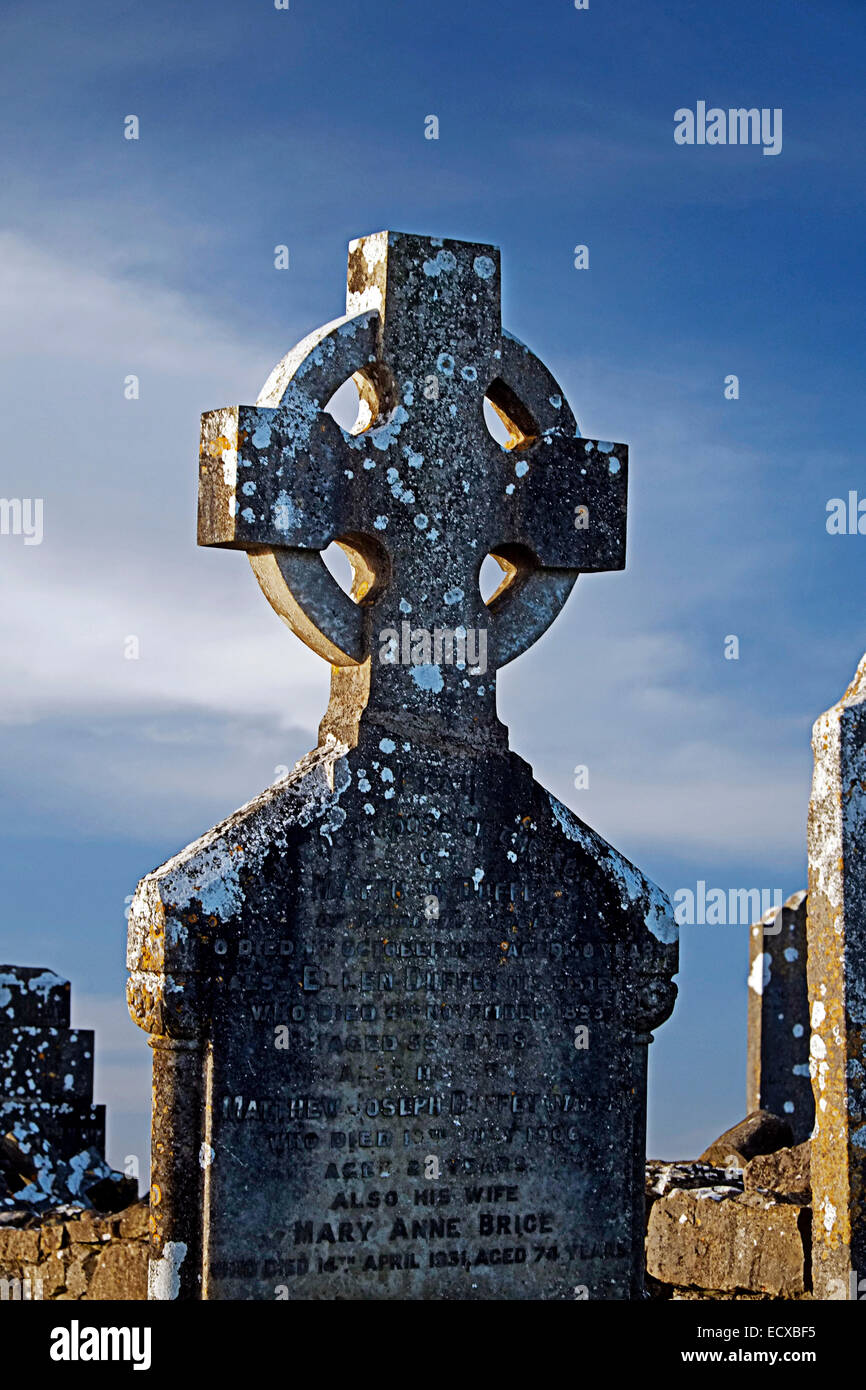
47,1067
400,1004
52,1136
837,994
777,1077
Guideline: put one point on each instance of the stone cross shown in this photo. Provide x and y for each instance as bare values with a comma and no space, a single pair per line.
422,495
400,1003
778,1047
837,995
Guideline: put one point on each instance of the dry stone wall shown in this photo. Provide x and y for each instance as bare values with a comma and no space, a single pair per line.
76,1255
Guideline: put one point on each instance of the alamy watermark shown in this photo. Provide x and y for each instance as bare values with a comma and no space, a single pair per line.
22,516
719,907
20,1290
464,647
846,517
737,126
77,1343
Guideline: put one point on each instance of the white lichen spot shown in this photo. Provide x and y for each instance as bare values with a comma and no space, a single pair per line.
427,677
163,1275
759,975
444,261
285,513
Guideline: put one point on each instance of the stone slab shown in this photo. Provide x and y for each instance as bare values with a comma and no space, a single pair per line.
396,1105
718,1239
777,1076
761,1132
784,1173
32,996
837,993
47,1063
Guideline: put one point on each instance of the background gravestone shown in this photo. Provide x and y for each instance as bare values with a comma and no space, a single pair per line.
400,1003
52,1136
837,994
47,1066
778,1045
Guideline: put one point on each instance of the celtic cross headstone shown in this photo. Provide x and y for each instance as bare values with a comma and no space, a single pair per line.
400,1003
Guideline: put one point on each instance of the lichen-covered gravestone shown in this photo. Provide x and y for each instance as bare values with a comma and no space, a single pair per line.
777,1076
400,1004
52,1136
837,994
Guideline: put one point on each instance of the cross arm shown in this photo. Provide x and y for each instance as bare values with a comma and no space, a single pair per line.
267,471
565,500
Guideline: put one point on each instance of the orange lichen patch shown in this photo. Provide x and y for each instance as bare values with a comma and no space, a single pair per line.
216,447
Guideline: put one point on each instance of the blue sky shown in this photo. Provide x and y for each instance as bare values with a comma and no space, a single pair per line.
155,257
